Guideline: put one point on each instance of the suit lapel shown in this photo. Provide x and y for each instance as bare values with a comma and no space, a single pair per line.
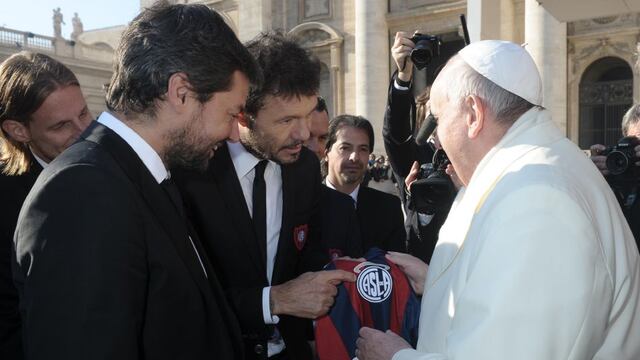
288,200
157,200
224,173
364,217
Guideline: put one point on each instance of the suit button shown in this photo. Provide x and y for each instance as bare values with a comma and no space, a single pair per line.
259,349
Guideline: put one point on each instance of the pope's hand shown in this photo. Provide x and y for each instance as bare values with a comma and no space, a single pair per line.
414,268
377,345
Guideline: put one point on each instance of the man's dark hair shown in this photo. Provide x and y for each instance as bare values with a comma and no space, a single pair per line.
353,121
26,80
322,105
288,70
166,39
338,123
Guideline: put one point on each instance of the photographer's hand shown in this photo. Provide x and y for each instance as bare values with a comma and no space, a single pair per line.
413,175
600,160
401,51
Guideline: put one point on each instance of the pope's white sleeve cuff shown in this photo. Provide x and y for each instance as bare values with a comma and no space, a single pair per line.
266,308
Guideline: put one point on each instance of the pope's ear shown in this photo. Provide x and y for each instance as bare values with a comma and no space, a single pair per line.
476,116
16,130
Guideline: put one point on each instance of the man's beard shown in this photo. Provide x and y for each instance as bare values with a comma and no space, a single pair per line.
353,178
187,150
261,146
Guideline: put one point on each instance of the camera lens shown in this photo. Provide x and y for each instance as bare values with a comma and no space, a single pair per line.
617,162
421,55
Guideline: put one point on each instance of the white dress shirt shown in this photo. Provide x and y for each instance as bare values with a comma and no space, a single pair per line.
244,163
398,86
40,161
146,153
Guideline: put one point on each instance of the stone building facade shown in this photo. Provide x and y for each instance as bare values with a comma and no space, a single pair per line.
90,62
586,54
586,50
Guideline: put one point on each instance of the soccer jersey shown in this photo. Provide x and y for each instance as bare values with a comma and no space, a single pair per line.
381,298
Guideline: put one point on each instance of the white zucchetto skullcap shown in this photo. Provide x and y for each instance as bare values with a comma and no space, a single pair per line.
506,64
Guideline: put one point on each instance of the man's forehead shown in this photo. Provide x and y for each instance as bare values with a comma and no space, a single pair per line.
634,129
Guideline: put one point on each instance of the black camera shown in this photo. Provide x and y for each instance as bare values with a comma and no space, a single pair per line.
621,159
427,47
433,191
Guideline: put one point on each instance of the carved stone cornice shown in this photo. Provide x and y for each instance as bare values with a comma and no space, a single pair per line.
600,47
603,24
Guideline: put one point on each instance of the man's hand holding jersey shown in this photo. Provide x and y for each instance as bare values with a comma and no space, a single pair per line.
310,295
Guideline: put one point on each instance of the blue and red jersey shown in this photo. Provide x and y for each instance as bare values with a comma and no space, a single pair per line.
381,298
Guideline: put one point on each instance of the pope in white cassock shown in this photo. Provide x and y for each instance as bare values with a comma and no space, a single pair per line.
535,260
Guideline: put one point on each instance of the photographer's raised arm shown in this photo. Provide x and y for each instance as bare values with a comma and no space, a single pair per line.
401,51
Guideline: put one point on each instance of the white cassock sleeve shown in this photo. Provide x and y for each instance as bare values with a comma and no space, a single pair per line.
536,285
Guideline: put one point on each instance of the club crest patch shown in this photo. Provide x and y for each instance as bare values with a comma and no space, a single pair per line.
300,234
374,281
334,254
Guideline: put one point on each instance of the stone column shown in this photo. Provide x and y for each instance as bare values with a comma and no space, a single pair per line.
546,40
254,16
372,63
483,19
336,78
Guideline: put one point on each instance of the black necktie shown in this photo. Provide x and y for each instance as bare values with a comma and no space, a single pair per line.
260,205
171,189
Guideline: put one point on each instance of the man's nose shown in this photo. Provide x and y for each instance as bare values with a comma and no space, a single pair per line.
353,156
79,125
301,131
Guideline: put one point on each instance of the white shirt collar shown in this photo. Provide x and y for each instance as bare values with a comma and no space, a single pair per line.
354,193
145,152
40,161
243,160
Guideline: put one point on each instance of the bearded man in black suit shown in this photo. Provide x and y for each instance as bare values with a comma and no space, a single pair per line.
108,266
257,207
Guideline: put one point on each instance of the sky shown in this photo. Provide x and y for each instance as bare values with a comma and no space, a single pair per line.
36,15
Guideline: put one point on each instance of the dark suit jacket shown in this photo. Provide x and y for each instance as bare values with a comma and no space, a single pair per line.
14,191
105,268
398,133
217,207
381,220
340,226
